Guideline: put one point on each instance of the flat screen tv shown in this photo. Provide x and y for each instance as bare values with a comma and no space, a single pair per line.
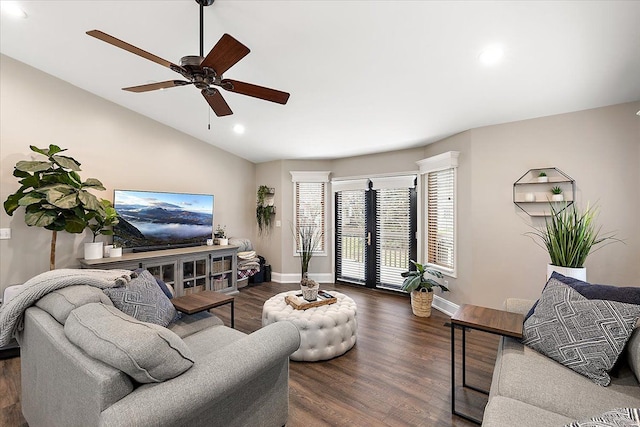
151,220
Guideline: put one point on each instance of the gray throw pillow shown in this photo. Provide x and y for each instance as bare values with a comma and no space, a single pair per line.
145,351
60,302
622,417
143,299
584,335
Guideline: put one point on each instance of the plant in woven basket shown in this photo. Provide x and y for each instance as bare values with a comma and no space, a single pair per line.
421,288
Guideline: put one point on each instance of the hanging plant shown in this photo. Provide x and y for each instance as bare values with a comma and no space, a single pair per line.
264,211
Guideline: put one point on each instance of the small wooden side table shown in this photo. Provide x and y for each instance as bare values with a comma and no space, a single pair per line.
484,319
201,301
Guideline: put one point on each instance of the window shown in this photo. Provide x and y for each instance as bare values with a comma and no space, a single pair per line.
310,204
440,210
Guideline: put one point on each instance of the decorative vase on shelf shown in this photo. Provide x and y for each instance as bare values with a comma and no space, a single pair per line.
115,252
93,250
529,197
557,197
309,288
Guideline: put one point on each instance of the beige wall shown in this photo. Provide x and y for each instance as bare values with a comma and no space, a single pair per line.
121,148
599,148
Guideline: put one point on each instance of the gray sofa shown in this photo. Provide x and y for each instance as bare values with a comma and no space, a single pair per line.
529,389
235,379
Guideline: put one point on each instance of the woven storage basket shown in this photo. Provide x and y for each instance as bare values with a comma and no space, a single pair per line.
421,303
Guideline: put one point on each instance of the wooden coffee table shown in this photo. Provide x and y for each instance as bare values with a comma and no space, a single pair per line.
201,301
484,319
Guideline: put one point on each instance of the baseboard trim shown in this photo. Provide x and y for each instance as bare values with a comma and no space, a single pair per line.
444,306
295,277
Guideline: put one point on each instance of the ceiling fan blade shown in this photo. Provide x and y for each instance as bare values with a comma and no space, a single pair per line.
255,91
135,50
156,86
225,54
217,103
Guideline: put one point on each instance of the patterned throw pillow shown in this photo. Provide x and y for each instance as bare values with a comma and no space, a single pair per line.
143,299
622,417
584,335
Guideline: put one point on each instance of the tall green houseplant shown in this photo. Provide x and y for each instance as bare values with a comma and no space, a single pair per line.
54,196
570,235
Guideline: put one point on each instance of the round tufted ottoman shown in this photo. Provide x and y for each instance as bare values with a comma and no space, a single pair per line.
325,332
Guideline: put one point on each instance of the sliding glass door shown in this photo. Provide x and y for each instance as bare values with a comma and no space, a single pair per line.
375,230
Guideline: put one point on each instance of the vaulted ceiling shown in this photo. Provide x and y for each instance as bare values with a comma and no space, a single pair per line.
364,76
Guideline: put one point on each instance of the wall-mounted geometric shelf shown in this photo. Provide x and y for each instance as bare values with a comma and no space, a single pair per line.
534,196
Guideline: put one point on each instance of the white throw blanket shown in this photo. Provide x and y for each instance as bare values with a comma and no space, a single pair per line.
11,313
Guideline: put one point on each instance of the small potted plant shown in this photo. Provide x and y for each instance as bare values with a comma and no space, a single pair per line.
221,235
309,238
99,222
556,194
115,251
421,288
542,177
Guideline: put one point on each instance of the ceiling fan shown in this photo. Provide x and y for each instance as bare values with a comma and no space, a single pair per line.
205,73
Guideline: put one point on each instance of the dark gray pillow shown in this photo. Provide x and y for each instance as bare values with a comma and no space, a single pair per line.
585,335
621,417
628,294
144,300
60,302
145,351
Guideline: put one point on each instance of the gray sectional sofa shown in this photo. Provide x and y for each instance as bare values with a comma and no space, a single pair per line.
529,389
231,379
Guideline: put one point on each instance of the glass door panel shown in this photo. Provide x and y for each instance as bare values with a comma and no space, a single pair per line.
351,236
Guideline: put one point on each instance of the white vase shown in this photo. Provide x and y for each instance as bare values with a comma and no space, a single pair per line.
529,197
543,179
93,250
115,252
576,273
557,197
223,242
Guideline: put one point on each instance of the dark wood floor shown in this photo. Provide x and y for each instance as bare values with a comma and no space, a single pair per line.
397,374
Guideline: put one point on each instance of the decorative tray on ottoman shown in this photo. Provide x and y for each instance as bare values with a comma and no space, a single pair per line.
299,303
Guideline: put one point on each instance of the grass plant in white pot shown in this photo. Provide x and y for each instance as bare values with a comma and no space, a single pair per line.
569,236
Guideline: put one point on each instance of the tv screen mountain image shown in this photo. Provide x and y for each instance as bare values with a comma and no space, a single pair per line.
151,220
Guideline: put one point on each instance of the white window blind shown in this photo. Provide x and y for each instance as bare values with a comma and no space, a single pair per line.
441,218
310,208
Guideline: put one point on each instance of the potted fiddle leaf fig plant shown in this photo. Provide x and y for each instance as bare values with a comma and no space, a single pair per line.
53,195
421,288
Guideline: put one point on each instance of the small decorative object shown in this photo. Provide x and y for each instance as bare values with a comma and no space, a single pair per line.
93,250
568,236
107,250
556,194
265,209
542,177
308,239
221,235
54,196
209,242
115,252
421,288
529,197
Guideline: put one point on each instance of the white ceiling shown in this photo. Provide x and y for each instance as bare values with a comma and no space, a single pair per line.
364,76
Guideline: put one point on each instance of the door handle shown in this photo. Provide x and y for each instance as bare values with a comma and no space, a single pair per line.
368,238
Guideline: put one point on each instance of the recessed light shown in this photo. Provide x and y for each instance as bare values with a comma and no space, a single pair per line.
239,129
11,8
491,55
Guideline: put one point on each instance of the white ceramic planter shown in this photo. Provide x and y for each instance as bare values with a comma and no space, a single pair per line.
576,273
557,197
115,252
543,179
93,250
223,242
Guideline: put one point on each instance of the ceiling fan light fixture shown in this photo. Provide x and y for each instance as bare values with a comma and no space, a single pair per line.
491,55
238,128
13,9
